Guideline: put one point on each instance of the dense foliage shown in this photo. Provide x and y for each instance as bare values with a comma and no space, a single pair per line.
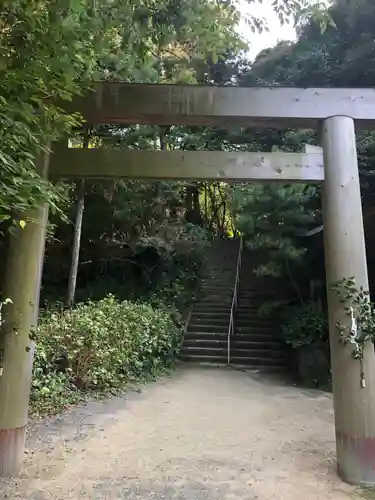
305,325
50,51
100,346
273,219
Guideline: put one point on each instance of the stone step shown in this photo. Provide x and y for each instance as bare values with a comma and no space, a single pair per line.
221,359
221,348
219,282
221,362
256,329
211,311
205,359
248,308
261,327
226,263
225,301
208,314
212,319
251,305
216,291
194,327
198,343
214,305
260,353
256,301
219,301
206,307
248,283
256,314
209,336
217,252
215,267
265,369
218,271
253,310
261,349
219,274
256,362
257,345
257,296
255,322
213,270
261,340
212,350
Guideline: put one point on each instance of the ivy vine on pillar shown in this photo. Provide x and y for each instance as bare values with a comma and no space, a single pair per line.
360,330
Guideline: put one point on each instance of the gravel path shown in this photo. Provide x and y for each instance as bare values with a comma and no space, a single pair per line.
203,434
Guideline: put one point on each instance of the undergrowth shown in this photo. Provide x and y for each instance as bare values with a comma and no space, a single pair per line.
98,347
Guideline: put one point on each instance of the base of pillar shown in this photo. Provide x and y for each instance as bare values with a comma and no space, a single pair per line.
356,459
12,446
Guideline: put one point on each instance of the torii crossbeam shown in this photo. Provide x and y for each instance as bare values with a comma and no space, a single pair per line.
277,107
73,163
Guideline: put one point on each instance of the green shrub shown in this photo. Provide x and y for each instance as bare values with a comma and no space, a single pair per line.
305,325
103,345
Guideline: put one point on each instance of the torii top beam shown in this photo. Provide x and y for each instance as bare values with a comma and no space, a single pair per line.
279,107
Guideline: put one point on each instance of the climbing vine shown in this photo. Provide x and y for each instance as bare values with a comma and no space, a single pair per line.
2,304
360,310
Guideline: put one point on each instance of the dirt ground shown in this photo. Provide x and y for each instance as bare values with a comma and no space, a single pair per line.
201,434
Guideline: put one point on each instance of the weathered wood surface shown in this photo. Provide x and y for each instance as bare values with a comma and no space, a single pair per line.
345,257
21,283
186,165
279,107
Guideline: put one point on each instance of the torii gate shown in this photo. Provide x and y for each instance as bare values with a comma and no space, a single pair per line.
333,110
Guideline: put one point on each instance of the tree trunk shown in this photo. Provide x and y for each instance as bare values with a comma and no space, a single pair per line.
158,185
223,218
22,285
163,139
76,243
205,204
197,216
80,208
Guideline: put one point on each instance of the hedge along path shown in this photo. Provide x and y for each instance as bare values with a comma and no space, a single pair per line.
201,434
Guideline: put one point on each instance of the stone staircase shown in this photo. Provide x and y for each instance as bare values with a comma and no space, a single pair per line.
256,343
206,338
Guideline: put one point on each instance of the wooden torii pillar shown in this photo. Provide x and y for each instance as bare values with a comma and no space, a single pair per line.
332,109
345,256
21,283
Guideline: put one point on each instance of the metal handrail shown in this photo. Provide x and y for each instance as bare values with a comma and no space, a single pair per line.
235,296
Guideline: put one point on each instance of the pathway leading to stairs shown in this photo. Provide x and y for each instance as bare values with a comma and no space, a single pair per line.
202,434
